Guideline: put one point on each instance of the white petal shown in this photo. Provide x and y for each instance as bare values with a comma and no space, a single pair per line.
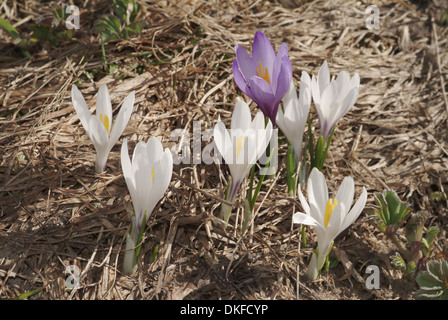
241,117
335,223
302,218
143,182
162,177
346,193
323,77
81,108
304,203
140,148
103,104
222,139
328,103
122,119
317,190
305,91
257,123
154,150
99,137
343,83
126,167
356,210
315,91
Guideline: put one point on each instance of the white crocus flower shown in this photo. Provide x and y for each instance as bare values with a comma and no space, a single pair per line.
147,178
329,217
292,119
242,145
99,127
333,99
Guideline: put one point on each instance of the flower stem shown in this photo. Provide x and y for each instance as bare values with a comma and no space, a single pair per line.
291,169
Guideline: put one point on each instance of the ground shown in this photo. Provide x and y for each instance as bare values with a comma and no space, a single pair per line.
56,212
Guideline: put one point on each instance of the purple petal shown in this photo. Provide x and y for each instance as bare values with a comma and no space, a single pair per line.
240,81
283,50
263,97
246,65
262,51
284,78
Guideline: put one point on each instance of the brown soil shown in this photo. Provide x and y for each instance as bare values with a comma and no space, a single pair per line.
55,211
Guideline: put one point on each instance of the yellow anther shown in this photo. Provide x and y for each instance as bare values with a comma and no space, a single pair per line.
152,174
329,210
239,145
263,73
105,122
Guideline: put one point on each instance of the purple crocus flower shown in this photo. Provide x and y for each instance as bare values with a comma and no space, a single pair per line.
264,77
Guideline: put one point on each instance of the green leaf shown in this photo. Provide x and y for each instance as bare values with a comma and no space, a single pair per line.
9,28
398,261
247,215
291,168
319,153
431,235
434,281
427,281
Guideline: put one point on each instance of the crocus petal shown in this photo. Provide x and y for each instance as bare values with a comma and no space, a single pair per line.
126,167
245,63
277,66
154,150
143,181
323,77
264,97
81,108
305,90
303,202
122,119
343,83
334,225
346,193
317,190
223,141
356,210
262,51
241,118
283,80
98,135
302,218
240,80
103,104
162,177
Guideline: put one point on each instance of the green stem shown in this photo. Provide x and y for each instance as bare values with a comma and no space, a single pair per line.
291,169
311,144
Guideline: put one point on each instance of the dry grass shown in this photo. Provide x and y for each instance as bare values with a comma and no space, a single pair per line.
55,211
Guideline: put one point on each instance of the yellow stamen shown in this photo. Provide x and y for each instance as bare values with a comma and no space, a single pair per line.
329,210
152,173
263,73
105,122
239,145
